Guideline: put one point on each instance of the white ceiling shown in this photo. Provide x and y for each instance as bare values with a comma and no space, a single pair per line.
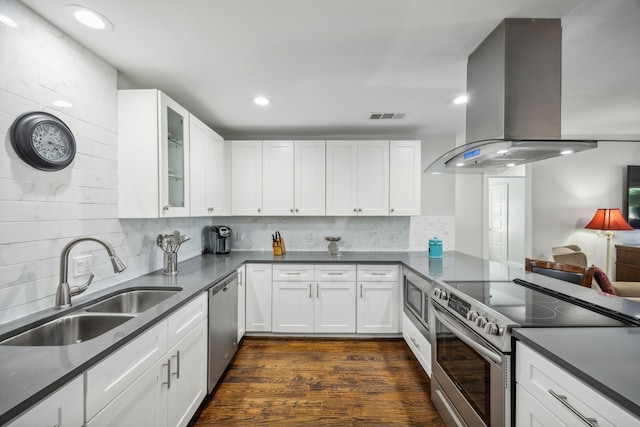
327,64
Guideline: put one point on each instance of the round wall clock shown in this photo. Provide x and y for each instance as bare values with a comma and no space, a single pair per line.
43,141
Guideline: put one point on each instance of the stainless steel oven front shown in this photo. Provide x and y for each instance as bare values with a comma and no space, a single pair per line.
470,379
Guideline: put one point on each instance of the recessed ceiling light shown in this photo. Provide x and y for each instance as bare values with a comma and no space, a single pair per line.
5,20
261,100
436,173
502,151
88,17
61,103
565,152
459,165
462,99
510,165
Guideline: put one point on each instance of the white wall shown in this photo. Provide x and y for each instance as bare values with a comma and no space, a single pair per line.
566,192
41,211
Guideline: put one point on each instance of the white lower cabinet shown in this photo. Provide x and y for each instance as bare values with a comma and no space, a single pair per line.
293,306
258,297
146,384
140,404
548,395
378,310
303,304
188,374
62,409
418,343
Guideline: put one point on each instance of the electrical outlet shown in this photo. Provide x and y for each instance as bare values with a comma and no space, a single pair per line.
82,265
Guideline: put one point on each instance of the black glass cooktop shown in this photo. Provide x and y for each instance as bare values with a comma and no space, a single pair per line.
529,307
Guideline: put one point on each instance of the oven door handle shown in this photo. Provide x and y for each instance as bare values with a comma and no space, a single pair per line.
468,339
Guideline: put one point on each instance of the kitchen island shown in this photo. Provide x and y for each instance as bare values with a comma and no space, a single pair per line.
27,376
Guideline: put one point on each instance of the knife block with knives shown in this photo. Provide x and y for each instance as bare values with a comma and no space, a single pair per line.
278,244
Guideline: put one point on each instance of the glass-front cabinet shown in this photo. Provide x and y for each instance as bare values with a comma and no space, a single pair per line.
174,158
153,155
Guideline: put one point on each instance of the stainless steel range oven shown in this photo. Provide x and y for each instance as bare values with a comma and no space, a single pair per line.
471,323
416,301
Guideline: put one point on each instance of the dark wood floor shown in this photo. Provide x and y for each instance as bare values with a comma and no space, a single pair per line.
321,382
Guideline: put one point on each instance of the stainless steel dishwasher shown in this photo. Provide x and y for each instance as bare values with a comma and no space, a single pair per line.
223,326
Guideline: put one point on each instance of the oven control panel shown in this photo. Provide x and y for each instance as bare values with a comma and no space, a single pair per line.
466,311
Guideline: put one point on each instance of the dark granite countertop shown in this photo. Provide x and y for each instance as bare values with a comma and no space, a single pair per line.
28,374
604,358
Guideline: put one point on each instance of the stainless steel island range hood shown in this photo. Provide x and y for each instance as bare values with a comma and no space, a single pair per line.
514,88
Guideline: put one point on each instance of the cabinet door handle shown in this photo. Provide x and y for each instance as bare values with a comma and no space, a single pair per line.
259,210
310,296
177,356
240,277
297,210
291,210
591,422
317,290
165,208
355,210
168,365
334,274
392,210
359,210
360,290
415,342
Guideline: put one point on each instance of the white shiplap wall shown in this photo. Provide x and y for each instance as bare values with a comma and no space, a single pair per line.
41,211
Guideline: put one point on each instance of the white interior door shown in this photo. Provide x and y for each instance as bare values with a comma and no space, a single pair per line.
498,222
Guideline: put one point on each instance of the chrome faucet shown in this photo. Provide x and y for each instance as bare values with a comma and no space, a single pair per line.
64,292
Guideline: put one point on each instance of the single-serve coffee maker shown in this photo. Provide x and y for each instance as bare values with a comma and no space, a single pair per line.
216,240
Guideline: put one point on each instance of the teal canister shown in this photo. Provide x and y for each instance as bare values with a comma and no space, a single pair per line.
435,248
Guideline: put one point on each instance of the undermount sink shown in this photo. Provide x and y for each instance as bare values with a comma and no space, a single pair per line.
133,302
70,329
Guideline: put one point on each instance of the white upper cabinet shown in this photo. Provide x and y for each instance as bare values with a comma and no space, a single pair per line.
293,178
405,176
153,155
357,179
277,178
373,178
246,178
309,183
342,178
210,158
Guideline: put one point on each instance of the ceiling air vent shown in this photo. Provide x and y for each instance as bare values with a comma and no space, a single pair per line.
386,116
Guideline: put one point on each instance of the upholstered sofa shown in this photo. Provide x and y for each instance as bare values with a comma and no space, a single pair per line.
572,254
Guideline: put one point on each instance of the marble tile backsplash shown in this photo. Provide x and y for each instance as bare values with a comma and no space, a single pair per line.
357,233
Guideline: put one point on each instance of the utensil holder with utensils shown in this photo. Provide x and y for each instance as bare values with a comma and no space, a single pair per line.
170,244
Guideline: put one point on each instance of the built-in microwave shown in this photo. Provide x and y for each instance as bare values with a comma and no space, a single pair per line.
416,301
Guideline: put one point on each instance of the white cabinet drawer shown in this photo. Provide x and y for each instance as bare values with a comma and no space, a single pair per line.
335,273
542,378
418,344
377,273
113,375
292,272
185,319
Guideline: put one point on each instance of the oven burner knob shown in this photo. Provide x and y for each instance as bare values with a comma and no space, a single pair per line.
472,315
491,328
481,321
437,292
443,295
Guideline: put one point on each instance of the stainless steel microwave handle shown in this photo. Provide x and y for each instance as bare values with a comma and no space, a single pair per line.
471,341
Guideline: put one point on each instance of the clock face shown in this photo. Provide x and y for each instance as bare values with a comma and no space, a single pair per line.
43,141
50,141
